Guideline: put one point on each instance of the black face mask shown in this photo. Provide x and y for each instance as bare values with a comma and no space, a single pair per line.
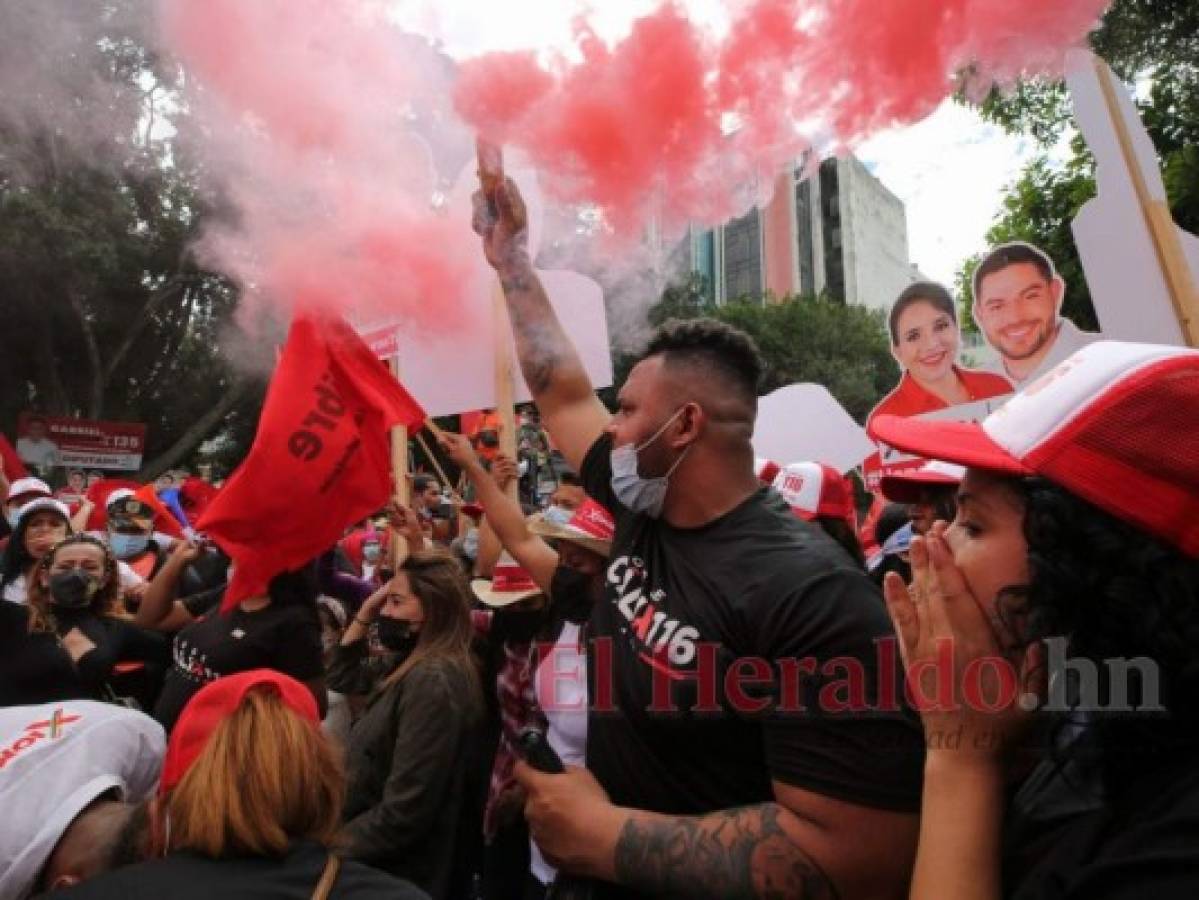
396,635
73,589
573,594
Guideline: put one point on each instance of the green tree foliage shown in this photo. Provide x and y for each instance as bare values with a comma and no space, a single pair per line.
1153,44
803,339
107,315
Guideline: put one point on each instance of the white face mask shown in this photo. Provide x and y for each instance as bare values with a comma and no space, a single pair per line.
637,494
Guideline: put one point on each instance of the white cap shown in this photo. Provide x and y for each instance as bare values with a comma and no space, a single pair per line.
118,494
44,503
56,759
28,486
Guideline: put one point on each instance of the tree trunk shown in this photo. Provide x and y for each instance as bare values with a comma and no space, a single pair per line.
99,381
194,435
172,287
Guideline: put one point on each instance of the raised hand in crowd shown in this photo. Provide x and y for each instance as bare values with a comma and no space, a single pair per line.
460,450
83,514
504,471
158,607
504,526
407,524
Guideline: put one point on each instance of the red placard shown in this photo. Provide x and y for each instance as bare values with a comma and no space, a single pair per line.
44,442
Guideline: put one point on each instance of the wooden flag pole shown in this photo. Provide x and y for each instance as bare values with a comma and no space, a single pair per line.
424,445
504,403
1180,282
491,176
399,472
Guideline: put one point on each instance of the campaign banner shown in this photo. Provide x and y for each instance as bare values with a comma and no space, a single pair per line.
48,442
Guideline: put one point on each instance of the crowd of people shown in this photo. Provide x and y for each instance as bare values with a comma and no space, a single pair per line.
657,666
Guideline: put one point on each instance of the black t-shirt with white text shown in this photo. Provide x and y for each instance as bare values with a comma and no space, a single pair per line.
284,638
699,663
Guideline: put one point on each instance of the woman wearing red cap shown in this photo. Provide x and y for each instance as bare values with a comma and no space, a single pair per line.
1062,608
415,758
252,793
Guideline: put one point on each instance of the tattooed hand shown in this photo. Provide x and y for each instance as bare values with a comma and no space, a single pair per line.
500,218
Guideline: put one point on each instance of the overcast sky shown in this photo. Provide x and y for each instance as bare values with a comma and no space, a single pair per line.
950,170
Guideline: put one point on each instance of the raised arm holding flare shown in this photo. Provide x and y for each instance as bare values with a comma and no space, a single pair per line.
551,366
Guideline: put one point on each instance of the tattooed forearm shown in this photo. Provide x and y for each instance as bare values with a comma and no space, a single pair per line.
544,349
736,854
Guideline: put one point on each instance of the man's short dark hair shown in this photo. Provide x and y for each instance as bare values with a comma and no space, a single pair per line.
422,482
727,352
922,291
570,478
1014,254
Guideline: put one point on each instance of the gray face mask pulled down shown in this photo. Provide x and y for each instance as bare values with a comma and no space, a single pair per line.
641,495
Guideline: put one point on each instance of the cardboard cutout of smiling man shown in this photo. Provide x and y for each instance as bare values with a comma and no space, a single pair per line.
1017,304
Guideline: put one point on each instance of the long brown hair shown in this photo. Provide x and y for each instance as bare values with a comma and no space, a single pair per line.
107,599
266,777
436,579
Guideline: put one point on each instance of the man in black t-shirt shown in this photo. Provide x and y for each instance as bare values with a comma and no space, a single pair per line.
743,737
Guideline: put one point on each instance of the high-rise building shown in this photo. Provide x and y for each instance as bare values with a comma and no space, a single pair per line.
832,229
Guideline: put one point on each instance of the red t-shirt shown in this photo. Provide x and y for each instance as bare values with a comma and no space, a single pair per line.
910,399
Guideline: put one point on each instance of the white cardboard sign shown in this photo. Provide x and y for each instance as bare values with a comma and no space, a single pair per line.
1123,273
805,422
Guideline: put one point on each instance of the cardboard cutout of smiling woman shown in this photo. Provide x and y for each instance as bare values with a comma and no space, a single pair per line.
1018,306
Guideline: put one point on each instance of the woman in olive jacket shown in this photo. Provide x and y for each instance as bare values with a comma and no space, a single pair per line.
416,761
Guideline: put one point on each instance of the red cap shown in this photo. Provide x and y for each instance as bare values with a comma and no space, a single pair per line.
767,470
1114,424
906,486
219,699
814,489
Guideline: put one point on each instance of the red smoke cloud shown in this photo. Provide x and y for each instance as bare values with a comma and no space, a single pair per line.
642,127
307,116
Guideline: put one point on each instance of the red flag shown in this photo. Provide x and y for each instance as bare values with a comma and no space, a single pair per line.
195,494
320,459
164,521
13,467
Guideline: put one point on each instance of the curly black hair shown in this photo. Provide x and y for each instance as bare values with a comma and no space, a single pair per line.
714,346
1114,592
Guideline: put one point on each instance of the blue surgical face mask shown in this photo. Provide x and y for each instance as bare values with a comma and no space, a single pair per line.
125,546
636,493
470,544
370,552
557,515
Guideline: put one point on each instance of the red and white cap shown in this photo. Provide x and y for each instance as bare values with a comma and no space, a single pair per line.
908,485
1115,424
44,504
766,469
28,488
591,527
510,583
814,489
